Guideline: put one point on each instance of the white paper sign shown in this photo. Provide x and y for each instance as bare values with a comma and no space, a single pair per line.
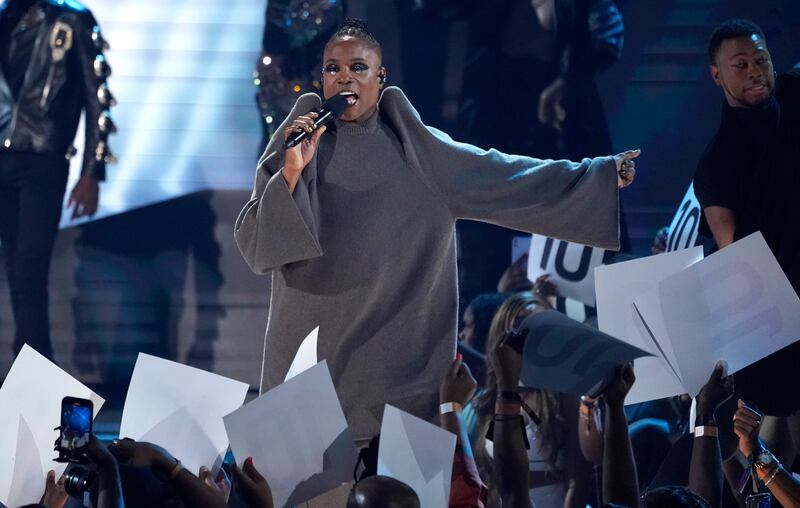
735,305
617,285
686,223
298,437
418,454
181,408
30,399
570,265
306,356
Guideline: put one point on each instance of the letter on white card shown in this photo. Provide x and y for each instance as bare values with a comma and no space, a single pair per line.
570,265
686,223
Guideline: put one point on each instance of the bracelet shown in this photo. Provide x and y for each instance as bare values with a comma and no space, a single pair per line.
507,408
509,395
772,476
175,470
449,407
705,431
705,420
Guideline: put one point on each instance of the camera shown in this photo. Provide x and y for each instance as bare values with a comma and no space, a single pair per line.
79,480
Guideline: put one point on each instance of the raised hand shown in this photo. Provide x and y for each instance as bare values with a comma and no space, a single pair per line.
143,454
299,156
55,496
251,485
544,288
221,484
458,384
618,389
515,277
717,390
506,360
746,425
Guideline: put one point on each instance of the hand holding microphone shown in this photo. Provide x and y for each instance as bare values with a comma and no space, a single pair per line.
302,135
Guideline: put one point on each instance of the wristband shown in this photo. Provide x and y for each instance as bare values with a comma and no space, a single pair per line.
705,420
705,431
449,407
507,408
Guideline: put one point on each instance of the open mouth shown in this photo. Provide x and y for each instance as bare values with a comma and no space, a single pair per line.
351,97
757,89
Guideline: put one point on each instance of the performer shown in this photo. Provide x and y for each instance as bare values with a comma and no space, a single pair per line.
748,180
356,226
52,69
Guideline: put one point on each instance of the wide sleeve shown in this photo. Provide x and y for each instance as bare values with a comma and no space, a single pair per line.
573,201
277,227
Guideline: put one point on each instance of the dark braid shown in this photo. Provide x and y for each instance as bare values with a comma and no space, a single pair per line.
355,28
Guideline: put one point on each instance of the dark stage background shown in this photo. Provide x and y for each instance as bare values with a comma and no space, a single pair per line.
158,271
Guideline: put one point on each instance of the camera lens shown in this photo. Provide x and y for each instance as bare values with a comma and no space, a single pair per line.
77,481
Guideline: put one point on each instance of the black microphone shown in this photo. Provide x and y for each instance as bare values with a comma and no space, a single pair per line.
331,110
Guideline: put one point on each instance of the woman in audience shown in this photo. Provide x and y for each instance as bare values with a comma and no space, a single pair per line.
559,475
477,319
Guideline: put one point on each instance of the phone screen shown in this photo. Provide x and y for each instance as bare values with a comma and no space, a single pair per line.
76,423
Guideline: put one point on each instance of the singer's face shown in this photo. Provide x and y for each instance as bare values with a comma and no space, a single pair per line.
352,66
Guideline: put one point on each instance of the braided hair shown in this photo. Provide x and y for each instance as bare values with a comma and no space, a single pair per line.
355,28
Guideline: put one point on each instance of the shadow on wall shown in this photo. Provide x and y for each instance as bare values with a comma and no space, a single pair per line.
134,276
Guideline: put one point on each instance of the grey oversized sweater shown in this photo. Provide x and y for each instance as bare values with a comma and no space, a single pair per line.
364,247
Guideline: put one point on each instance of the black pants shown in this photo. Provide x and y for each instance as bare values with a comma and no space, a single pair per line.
31,199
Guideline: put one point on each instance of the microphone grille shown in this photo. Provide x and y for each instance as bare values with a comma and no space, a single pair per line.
336,105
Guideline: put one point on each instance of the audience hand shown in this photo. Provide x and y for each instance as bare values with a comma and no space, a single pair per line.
143,454
618,389
55,496
660,241
251,486
100,456
515,277
544,288
715,392
458,384
221,485
746,425
507,360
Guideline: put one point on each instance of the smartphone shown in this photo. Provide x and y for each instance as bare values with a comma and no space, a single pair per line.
76,428
520,245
